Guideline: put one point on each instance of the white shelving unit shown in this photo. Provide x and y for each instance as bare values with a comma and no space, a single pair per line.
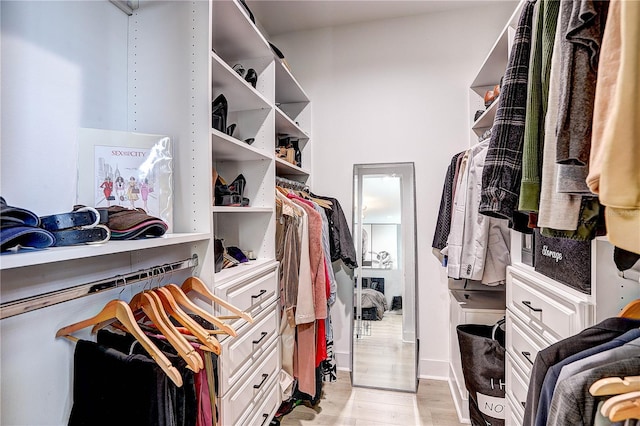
488,76
161,69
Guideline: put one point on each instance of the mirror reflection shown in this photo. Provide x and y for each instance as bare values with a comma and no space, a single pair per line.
384,326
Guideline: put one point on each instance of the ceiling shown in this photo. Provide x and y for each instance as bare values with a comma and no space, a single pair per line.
284,16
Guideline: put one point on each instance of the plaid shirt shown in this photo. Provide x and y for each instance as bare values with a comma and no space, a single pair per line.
503,166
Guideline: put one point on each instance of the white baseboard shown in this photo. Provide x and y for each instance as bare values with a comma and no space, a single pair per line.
433,369
343,360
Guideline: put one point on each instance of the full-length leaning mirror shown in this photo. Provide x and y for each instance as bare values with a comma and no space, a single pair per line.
384,321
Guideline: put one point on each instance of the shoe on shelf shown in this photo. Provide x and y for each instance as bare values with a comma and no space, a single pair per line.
219,109
252,77
237,254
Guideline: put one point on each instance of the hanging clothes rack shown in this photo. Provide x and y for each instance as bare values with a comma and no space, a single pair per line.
32,303
291,184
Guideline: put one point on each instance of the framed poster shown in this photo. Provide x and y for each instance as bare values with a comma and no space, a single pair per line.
132,170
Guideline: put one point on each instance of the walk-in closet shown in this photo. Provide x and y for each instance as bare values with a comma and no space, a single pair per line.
265,212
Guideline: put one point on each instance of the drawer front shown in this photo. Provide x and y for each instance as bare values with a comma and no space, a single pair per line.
514,417
550,314
240,353
265,412
251,390
517,385
251,294
522,344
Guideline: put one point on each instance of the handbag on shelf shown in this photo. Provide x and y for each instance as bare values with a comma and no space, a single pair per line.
564,260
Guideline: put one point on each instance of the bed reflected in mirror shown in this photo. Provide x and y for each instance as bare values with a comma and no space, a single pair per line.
384,317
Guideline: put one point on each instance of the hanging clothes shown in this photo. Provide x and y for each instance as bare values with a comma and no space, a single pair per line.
342,246
582,26
543,37
443,223
616,177
593,336
503,164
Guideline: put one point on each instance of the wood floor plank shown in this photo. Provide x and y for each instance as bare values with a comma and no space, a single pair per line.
343,405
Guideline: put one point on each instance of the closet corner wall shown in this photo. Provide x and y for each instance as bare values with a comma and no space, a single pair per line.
178,57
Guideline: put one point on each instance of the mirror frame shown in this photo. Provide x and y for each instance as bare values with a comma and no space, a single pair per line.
406,170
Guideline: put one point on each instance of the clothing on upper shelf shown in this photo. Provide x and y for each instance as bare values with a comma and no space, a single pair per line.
587,339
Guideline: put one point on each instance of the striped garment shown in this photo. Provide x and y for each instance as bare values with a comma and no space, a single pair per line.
503,164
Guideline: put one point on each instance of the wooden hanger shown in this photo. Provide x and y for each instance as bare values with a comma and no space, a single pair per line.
629,409
150,304
197,285
119,310
184,301
615,386
622,407
632,310
169,304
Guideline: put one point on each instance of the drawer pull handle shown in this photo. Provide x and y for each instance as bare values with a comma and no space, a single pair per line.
528,305
266,417
255,296
527,355
524,404
263,334
264,379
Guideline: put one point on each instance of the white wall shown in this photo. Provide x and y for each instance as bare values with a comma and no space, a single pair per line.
394,91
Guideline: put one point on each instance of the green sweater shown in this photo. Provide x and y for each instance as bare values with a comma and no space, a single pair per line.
538,93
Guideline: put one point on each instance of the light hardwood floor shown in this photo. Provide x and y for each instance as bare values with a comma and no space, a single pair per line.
381,358
343,405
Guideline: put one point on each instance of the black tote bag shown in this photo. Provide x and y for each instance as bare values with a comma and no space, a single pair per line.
482,352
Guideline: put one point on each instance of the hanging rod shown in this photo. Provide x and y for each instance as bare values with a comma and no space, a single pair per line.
32,303
291,184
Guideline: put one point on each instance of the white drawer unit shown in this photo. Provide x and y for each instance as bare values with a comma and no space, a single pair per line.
522,343
552,313
240,353
267,410
514,416
240,402
252,292
517,391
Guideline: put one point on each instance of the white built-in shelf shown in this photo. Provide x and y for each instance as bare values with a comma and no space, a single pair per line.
227,148
495,64
23,258
486,119
234,36
251,267
285,125
241,96
227,209
288,90
284,168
